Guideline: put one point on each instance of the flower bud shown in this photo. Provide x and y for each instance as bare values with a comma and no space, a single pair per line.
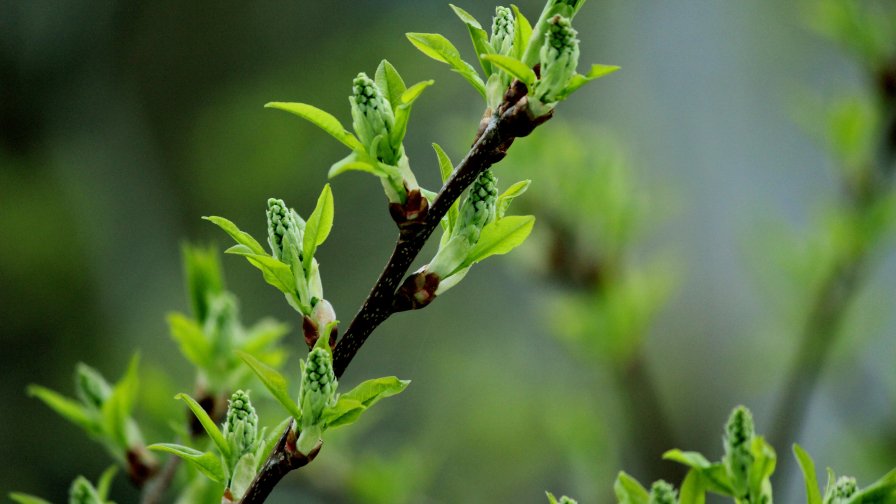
502,31
318,383
479,207
241,424
83,492
372,116
662,493
91,387
559,59
843,489
284,227
739,432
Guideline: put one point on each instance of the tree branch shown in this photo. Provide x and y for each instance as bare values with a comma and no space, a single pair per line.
512,120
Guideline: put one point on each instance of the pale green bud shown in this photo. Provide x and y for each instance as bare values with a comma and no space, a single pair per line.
372,116
91,387
318,383
479,207
502,31
662,493
83,492
284,227
241,424
559,59
566,500
843,489
739,433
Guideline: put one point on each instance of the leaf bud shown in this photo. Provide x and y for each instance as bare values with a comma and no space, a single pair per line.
241,424
662,492
559,58
844,488
739,433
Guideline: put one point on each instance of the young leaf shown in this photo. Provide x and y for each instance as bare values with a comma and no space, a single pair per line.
69,409
241,237
207,423
439,48
275,383
262,335
191,340
692,491
317,228
446,169
344,412
105,482
882,491
514,67
807,465
629,491
322,120
207,463
117,409
27,499
390,83
522,32
352,163
370,392
403,110
276,272
691,459
503,202
500,237
579,80
477,35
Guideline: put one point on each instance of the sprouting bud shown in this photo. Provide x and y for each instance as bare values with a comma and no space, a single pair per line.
843,489
662,493
479,207
283,226
559,58
241,424
502,31
566,500
83,492
91,387
318,383
372,116
739,432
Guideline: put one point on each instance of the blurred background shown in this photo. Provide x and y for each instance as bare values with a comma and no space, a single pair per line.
683,204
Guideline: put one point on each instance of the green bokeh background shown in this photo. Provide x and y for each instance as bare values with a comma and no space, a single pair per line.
122,123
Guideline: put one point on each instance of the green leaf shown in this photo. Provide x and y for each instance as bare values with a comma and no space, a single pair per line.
191,340
629,491
22,498
262,335
241,237
446,168
370,392
692,491
503,202
500,237
271,439
522,31
207,463
275,383
322,120
579,80
71,410
276,272
105,482
514,67
690,459
882,491
439,48
477,35
344,412
390,83
317,228
207,423
764,461
116,411
807,465
352,163
403,110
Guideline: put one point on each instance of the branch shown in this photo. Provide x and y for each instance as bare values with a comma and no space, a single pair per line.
512,120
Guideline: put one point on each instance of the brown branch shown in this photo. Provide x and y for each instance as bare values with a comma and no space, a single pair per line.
512,120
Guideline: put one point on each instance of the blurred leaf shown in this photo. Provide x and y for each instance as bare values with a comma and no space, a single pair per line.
22,498
691,459
207,463
440,49
512,66
116,411
105,482
691,489
322,120
67,408
203,277
317,228
807,466
275,383
191,339
629,491
882,491
207,423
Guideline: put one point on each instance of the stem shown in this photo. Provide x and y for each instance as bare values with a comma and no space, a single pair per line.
155,489
512,120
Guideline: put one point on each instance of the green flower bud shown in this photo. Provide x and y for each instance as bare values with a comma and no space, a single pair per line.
843,489
502,30
318,383
91,387
479,207
739,432
662,493
83,492
559,59
241,424
284,226
372,116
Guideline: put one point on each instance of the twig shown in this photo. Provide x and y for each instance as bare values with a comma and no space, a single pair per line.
512,120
